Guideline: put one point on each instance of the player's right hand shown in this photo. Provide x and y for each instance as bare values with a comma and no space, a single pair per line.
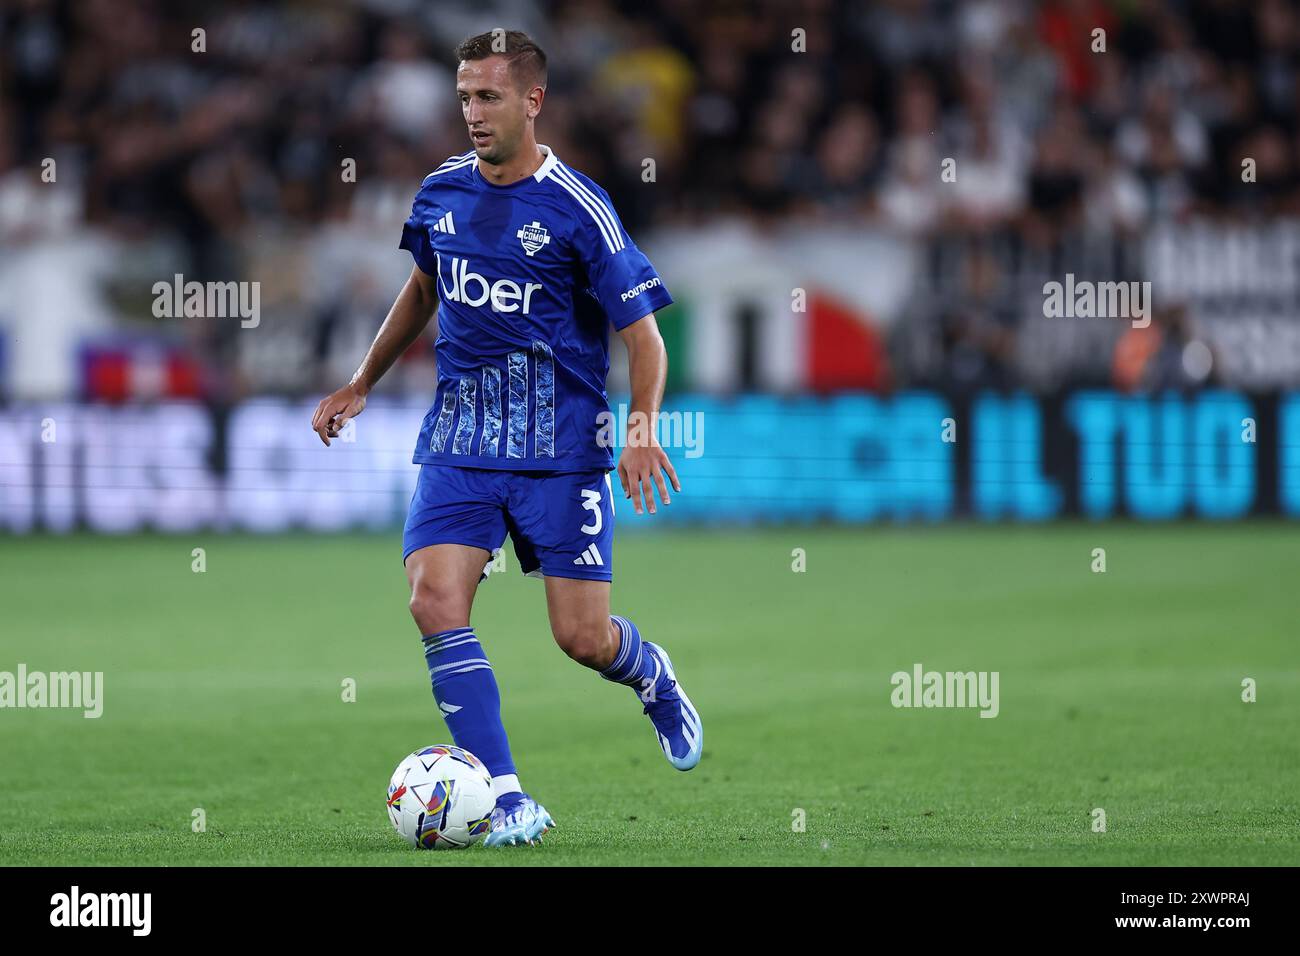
335,411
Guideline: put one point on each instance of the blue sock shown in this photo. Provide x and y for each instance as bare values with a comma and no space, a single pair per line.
633,663
466,691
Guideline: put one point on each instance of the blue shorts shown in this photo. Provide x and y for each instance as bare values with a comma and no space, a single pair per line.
562,524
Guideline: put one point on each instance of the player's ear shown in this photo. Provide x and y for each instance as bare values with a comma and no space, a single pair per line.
534,98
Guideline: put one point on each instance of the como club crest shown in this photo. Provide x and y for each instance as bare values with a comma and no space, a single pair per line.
533,237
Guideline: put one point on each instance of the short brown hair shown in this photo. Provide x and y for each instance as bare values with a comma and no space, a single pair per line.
526,59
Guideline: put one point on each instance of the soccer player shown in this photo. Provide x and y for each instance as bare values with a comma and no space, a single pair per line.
527,265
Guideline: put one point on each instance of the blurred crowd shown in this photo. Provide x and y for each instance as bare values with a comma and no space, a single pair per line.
221,153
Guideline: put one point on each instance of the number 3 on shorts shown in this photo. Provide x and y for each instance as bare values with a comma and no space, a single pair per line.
591,502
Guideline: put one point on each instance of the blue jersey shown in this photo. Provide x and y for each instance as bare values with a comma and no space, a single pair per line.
530,276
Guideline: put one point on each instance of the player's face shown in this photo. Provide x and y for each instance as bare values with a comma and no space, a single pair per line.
495,109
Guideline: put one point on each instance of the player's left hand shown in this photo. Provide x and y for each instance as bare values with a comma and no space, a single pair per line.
640,465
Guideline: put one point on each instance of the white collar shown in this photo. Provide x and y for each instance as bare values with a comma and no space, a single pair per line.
548,163
543,170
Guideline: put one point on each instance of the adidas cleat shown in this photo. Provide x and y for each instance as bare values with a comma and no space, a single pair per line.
677,722
517,819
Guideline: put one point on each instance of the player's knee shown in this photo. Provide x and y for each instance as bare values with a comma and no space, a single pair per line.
437,607
587,642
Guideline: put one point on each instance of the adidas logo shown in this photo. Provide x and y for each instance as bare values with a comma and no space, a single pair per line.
448,709
590,556
445,224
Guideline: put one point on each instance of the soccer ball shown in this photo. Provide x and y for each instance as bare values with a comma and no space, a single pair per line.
440,798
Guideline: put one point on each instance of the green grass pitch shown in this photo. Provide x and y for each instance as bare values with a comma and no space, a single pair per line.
1119,691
